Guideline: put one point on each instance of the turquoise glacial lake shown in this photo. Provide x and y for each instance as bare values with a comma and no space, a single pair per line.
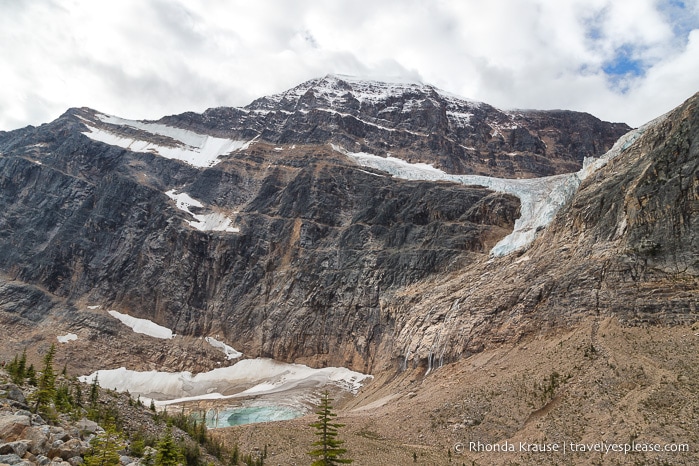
250,415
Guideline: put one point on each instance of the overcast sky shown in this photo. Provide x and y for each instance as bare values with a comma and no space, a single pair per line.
621,60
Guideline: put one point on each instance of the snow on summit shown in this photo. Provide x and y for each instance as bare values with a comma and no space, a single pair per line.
337,89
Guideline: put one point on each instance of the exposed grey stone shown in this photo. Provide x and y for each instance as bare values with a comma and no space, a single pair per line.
14,393
87,427
10,459
19,448
38,440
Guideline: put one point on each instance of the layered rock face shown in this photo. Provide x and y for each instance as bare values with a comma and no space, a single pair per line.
247,223
625,246
417,123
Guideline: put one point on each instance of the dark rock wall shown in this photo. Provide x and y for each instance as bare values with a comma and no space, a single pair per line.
320,243
333,264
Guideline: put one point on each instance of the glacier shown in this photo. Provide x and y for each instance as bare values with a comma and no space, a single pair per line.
540,198
249,377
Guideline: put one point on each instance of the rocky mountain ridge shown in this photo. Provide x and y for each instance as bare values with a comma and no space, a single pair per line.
417,122
246,223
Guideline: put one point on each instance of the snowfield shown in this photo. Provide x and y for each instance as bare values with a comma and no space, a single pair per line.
143,326
247,377
199,150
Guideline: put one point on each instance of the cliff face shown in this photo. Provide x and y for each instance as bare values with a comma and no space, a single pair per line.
625,246
246,223
417,123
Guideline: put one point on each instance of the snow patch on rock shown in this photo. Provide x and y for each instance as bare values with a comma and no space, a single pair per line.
143,326
214,221
67,337
227,350
199,150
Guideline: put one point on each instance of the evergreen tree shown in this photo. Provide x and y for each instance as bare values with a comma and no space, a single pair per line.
62,398
329,451
78,396
11,367
17,368
31,376
22,367
47,382
105,447
94,392
168,454
234,456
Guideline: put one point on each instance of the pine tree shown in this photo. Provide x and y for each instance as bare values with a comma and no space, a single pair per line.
234,456
168,453
329,451
78,396
12,367
94,392
31,376
63,399
22,367
47,382
17,368
105,447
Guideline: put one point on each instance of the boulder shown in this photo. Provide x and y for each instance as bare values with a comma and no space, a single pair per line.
19,448
66,450
58,433
87,427
10,459
12,427
38,440
14,393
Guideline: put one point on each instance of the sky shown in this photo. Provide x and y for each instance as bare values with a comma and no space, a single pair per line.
621,60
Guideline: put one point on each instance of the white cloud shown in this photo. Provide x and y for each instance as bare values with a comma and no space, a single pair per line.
148,58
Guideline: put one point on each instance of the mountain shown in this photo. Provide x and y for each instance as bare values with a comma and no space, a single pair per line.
254,224
503,275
